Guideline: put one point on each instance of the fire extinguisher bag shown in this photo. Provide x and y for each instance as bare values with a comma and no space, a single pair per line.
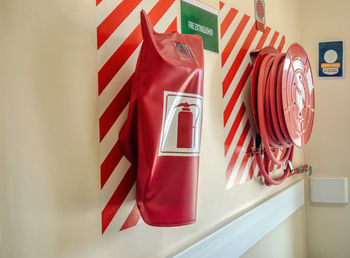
161,136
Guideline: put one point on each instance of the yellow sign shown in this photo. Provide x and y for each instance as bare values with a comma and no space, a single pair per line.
332,65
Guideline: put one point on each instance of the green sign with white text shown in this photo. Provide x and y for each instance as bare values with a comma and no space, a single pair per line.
196,20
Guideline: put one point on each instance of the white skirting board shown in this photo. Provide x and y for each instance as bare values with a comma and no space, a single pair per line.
236,237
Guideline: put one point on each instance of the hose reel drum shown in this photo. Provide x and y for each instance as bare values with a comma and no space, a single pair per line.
283,105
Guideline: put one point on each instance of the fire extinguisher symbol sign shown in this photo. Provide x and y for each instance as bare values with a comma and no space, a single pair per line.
181,125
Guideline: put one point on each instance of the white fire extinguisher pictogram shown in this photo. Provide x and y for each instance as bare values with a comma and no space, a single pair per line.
181,124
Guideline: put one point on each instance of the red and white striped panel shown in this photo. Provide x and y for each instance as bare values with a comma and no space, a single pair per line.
238,37
118,44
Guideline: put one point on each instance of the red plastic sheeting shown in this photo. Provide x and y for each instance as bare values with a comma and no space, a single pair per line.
161,136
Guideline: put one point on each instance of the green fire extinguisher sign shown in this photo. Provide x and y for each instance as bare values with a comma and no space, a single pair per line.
197,18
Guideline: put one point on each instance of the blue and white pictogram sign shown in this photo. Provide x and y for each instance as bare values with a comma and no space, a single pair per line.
330,59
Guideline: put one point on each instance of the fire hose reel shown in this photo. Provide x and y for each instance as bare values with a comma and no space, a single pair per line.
283,105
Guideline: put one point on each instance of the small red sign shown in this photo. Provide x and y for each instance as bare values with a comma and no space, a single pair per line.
260,14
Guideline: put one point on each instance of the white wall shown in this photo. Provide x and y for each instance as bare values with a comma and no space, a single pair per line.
50,195
328,226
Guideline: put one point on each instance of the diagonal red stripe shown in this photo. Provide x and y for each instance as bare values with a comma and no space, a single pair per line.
118,197
110,163
234,127
244,78
232,161
237,150
114,19
118,104
114,109
239,59
263,38
132,219
172,27
221,5
274,38
117,60
251,170
243,165
233,100
233,40
281,45
98,1
228,20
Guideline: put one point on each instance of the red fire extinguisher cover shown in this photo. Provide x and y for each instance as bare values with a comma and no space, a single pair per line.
298,95
161,136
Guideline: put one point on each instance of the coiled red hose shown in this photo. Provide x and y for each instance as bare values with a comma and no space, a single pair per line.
283,103
270,117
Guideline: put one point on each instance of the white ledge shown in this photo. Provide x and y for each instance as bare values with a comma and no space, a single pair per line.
236,237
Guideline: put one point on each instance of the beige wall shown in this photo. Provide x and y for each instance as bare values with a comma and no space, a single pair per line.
328,226
50,195
288,240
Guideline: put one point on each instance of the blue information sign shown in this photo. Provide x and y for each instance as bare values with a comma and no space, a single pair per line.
330,59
